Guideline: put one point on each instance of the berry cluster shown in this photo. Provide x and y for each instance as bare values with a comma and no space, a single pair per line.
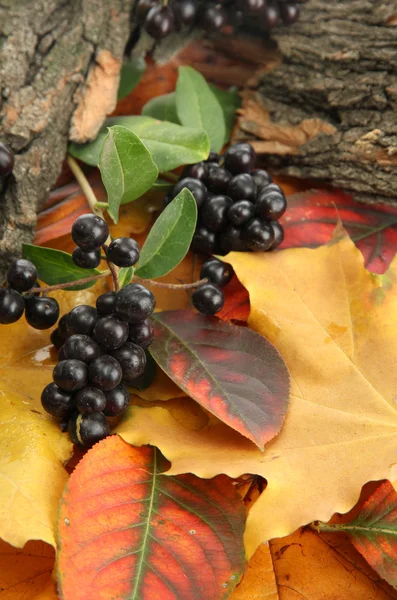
208,298
238,206
160,20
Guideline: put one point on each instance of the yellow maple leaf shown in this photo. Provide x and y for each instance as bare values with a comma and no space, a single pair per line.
334,323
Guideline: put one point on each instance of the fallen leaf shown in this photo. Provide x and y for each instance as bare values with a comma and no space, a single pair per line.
128,531
259,581
27,574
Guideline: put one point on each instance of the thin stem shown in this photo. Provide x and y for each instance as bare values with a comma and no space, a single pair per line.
172,286
102,205
85,186
113,270
68,284
168,174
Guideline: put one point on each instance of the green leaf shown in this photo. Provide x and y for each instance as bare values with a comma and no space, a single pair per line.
230,101
169,239
55,266
131,74
162,184
197,106
127,168
162,108
170,145
125,276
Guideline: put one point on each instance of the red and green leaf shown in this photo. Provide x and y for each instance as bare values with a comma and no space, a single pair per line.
233,372
374,531
128,531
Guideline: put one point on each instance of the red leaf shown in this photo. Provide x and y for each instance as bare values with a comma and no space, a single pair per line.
237,303
126,531
311,219
232,371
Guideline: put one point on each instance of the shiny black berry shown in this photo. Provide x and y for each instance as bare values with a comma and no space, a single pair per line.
261,178
132,359
62,355
62,327
117,401
278,233
240,212
197,171
185,12
81,319
124,252
218,179
214,212
141,333
204,241
70,375
252,7
230,240
81,347
105,303
41,313
22,275
134,303
111,332
208,299
197,188
6,160
87,430
271,15
258,235
142,9
160,21
105,372
242,187
11,306
90,400
270,205
289,12
56,339
86,260
89,232
217,271
213,157
57,402
213,17
240,158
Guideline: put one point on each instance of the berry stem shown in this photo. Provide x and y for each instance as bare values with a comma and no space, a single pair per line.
102,205
172,286
85,186
68,284
113,270
170,176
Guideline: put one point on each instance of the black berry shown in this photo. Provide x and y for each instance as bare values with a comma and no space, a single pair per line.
214,213
11,306
197,188
141,333
213,17
261,178
242,187
56,339
90,400
62,327
197,171
57,402
105,372
240,212
62,355
217,271
6,160
204,241
185,13
89,232
124,252
132,359
81,319
252,7
230,240
160,21
87,430
278,233
271,15
289,12
134,303
240,158
22,275
218,179
81,347
117,401
41,313
86,259
208,298
70,375
270,204
258,235
142,9
213,157
105,303
110,332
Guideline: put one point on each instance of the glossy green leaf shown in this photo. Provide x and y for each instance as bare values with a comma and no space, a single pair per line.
130,75
230,101
127,168
169,239
55,266
170,145
162,108
198,106
125,276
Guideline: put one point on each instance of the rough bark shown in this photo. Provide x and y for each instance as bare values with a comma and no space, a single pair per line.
59,69
329,111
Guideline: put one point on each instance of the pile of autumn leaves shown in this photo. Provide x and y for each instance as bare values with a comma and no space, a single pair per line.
333,323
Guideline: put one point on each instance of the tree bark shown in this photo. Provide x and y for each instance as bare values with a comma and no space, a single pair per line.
59,72
329,111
